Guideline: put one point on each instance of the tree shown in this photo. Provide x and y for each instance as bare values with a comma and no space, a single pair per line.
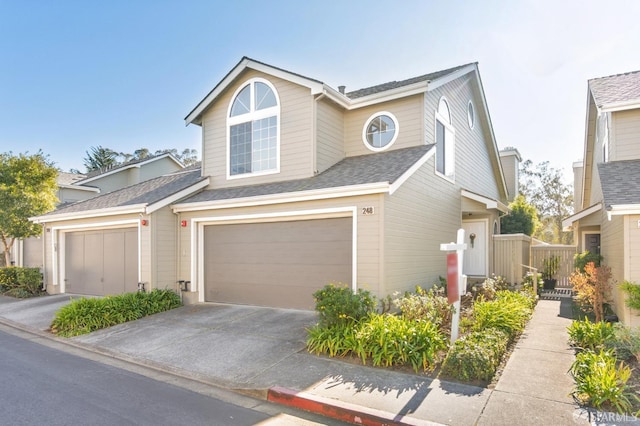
28,185
543,187
101,159
522,219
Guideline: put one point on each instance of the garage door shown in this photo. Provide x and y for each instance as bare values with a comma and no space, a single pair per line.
101,262
277,264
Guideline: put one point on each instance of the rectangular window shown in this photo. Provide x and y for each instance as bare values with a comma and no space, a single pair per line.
440,149
253,146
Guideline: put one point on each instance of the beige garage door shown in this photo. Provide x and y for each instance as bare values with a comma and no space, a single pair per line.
101,262
277,264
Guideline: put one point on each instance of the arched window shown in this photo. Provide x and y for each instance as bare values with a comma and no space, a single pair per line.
445,140
253,128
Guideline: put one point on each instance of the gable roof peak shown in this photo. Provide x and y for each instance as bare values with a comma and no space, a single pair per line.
616,92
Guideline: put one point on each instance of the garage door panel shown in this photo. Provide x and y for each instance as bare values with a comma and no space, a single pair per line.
101,262
276,264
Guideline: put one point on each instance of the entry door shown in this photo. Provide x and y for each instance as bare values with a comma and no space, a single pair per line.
592,243
475,256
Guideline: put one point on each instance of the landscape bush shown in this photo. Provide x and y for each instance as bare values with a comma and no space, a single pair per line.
334,340
625,342
388,340
601,382
509,312
587,335
337,304
20,282
428,305
83,316
477,355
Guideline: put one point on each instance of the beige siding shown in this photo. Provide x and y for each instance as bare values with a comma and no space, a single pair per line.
475,165
329,135
408,111
296,134
70,195
626,129
421,215
111,182
157,168
632,274
368,231
510,165
612,248
164,230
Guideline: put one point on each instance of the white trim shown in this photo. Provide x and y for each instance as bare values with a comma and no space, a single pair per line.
252,116
568,222
488,202
389,95
416,166
289,197
620,106
79,187
177,196
449,141
58,245
86,214
396,131
194,115
197,236
622,209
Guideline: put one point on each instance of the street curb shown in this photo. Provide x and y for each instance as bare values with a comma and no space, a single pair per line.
338,410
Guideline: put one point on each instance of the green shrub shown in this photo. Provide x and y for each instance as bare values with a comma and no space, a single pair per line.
600,382
392,340
477,355
335,340
625,342
338,304
508,312
83,316
428,306
633,293
580,260
589,335
20,282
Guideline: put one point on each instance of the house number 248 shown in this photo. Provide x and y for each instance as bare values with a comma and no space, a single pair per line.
367,211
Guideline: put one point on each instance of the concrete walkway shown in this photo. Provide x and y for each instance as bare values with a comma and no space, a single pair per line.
261,352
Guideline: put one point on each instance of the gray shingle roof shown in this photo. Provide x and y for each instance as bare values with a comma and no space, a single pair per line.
372,168
618,88
95,173
395,84
147,192
65,178
620,182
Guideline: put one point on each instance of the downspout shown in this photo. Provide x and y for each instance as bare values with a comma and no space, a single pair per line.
44,259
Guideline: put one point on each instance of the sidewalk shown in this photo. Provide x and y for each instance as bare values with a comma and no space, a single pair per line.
260,352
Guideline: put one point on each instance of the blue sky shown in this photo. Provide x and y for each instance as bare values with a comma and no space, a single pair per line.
124,74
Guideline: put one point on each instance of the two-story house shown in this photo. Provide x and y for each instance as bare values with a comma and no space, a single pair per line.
302,185
607,198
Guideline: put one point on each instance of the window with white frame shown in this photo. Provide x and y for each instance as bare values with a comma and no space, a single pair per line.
380,131
445,140
253,129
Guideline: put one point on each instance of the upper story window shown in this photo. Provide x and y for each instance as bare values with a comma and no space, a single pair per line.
471,115
445,140
380,131
253,130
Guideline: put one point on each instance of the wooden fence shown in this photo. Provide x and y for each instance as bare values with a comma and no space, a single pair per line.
515,254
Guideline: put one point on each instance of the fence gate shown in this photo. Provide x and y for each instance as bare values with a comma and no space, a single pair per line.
565,254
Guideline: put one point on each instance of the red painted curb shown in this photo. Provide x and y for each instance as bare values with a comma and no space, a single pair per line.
335,409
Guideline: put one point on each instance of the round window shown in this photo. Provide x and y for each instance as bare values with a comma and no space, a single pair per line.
380,131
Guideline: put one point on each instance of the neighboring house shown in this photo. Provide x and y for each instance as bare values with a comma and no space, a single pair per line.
607,182
74,187
311,185
111,243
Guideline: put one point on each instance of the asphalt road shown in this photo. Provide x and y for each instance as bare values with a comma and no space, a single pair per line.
44,385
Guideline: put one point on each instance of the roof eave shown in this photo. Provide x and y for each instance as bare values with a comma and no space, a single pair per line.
567,223
177,196
130,209
620,106
195,116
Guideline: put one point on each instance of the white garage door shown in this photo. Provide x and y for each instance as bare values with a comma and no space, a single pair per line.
278,264
101,262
